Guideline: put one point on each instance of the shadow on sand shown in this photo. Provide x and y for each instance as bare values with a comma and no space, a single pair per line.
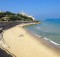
3,53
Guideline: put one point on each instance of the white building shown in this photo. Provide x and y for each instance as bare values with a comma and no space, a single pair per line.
0,11
24,14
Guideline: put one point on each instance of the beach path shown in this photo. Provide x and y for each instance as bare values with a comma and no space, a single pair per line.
22,44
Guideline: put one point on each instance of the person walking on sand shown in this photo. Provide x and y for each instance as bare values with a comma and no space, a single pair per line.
21,35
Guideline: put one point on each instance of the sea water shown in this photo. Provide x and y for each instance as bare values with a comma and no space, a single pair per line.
49,29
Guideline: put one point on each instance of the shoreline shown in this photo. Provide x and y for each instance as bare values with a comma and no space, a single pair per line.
44,41
34,47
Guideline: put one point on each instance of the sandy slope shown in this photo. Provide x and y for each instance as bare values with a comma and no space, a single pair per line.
23,44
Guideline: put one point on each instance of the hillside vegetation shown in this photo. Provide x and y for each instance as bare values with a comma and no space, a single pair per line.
9,16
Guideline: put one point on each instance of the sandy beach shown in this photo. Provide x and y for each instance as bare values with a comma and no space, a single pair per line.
22,44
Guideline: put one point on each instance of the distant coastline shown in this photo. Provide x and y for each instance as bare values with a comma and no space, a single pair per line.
6,18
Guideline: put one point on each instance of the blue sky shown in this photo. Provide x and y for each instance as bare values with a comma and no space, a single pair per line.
37,8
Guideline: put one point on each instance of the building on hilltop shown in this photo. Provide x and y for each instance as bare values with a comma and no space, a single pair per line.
24,14
0,11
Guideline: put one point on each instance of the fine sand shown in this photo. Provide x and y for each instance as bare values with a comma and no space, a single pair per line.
22,44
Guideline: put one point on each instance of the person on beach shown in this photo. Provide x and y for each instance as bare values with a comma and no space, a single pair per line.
21,35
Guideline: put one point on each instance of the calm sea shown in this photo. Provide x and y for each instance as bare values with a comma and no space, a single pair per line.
49,28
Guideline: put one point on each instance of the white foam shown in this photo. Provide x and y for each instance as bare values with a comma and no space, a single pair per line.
51,41
46,38
38,27
54,42
37,35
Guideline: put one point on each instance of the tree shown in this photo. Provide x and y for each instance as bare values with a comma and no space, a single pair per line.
2,14
9,16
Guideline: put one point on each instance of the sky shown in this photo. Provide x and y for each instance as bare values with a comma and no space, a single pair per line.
38,8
